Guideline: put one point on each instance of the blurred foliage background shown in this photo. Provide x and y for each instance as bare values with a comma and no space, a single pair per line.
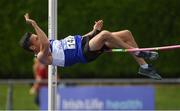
153,23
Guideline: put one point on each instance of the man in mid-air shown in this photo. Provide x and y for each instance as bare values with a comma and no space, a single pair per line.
84,49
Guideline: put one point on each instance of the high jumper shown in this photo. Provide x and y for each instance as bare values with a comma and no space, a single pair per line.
83,49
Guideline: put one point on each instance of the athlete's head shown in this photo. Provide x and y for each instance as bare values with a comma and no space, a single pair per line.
30,42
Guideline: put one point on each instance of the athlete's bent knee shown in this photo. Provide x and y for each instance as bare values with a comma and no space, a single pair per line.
128,35
127,32
105,33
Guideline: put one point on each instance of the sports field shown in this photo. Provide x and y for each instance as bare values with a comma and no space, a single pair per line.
166,97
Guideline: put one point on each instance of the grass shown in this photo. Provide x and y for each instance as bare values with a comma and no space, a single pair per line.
21,98
21,95
167,97
3,92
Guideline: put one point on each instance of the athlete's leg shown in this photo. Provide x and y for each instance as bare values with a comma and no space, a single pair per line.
114,41
121,39
128,38
144,69
105,37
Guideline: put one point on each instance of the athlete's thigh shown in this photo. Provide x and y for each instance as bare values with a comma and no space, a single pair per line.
96,43
111,45
121,35
118,35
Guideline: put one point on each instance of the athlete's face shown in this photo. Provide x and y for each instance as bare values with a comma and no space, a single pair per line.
35,45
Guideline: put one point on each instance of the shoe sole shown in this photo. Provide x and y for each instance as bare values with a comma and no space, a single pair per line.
157,78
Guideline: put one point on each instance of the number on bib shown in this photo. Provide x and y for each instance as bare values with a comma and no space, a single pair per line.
70,42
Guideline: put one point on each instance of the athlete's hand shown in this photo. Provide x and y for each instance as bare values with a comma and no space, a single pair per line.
98,25
32,91
28,20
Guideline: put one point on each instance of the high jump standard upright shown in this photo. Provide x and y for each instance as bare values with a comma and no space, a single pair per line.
52,70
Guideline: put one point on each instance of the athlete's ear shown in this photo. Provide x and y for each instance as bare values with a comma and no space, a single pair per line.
32,47
36,37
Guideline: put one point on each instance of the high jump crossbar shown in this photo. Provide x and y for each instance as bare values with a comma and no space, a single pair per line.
145,49
52,70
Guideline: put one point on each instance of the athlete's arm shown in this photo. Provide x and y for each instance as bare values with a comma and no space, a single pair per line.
42,36
44,58
92,33
43,55
96,29
36,85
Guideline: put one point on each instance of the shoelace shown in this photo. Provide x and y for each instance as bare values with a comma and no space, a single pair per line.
144,54
151,68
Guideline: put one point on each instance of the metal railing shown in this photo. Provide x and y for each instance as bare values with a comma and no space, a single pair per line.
96,81
11,82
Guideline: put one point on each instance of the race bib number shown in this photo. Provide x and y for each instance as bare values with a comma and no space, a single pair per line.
70,42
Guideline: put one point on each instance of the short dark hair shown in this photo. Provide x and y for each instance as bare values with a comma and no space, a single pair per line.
25,41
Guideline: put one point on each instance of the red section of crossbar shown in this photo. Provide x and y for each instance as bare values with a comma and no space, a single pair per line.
154,48
145,49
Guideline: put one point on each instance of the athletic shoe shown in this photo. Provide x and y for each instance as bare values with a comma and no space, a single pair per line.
149,72
151,55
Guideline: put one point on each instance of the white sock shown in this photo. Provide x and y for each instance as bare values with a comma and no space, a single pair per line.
144,66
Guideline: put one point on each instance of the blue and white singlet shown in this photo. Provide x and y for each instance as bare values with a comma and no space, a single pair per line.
67,51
